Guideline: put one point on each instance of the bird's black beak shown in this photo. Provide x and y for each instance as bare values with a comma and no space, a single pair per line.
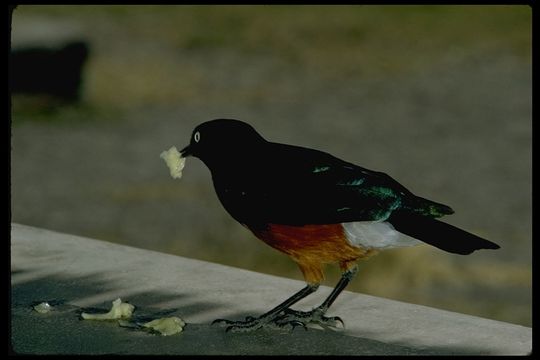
185,152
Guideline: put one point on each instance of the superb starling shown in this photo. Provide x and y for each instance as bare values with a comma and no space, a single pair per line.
317,209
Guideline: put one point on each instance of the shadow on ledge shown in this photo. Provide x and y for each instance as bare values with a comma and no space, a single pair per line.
62,331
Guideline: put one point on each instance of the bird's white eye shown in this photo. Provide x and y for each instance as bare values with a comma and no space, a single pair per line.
197,137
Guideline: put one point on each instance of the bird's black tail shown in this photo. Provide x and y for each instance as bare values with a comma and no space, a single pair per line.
439,234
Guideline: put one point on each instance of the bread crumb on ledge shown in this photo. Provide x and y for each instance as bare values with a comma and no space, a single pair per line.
119,310
166,326
43,308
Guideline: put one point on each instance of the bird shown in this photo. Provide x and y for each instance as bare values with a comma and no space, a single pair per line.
318,210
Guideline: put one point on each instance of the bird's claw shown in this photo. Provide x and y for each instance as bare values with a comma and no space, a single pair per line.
221,322
315,316
230,323
286,320
295,323
251,323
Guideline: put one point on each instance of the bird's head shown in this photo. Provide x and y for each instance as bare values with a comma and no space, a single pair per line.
217,140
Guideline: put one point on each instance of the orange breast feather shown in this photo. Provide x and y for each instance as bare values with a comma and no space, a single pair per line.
313,246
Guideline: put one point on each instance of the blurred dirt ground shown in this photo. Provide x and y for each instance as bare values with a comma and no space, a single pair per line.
439,97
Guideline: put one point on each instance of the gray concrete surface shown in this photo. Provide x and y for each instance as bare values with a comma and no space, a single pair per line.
76,273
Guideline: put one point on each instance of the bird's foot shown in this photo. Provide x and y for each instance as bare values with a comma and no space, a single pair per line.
251,323
313,317
287,319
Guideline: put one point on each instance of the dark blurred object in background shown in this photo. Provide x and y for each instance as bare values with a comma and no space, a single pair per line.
49,71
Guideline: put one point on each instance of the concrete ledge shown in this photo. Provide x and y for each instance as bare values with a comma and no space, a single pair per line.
76,273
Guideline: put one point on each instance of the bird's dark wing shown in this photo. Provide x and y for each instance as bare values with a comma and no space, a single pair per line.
296,186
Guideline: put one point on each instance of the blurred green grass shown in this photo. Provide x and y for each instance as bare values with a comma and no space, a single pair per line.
307,30
174,57
331,42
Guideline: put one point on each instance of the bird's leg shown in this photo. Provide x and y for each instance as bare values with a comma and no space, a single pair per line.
317,315
268,318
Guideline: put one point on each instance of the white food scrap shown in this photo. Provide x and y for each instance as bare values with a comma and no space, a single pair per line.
43,308
174,161
119,310
166,326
